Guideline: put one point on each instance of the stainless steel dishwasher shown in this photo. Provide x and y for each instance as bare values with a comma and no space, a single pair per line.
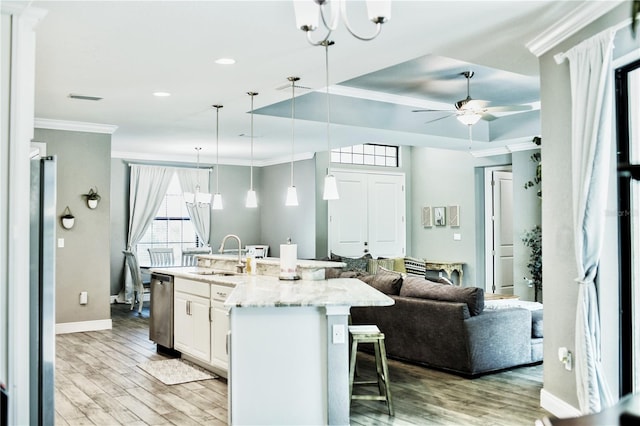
161,313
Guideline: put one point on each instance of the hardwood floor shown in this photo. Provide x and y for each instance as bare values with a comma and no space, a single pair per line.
98,382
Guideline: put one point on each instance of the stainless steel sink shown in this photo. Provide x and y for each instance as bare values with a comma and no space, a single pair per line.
215,272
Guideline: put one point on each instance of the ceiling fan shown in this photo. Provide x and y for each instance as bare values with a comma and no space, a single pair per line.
469,111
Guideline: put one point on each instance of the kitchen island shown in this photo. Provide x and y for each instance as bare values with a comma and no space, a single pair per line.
287,343
289,349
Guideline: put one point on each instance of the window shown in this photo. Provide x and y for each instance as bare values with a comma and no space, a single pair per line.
171,227
366,154
628,131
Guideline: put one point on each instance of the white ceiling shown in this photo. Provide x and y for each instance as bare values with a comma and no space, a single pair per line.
125,51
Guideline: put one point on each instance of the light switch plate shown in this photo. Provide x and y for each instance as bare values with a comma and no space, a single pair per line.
60,242
457,237
338,334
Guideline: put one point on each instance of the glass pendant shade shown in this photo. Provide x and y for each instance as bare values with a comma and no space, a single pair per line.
469,119
217,202
307,14
252,200
330,188
198,198
379,10
292,196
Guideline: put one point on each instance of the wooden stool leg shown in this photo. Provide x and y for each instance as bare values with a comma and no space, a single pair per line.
385,369
352,367
379,371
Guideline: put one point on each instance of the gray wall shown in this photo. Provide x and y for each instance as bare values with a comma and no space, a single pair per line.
83,263
443,178
279,222
559,260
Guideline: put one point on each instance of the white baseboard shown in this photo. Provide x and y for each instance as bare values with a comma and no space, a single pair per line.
557,406
78,327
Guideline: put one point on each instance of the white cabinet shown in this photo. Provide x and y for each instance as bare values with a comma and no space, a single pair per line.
369,217
219,326
192,318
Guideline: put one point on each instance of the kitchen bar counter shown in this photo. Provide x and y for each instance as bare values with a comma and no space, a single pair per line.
288,343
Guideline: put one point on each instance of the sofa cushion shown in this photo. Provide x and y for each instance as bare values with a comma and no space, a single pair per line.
425,289
385,281
536,323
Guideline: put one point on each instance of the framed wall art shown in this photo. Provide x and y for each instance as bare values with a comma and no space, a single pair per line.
454,216
440,216
427,220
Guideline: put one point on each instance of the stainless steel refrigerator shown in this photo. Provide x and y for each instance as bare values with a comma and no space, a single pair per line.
42,293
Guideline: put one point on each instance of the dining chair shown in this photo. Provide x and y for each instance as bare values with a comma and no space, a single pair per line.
139,286
161,256
189,255
257,250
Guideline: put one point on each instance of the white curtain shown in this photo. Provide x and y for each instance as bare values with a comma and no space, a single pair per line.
147,189
591,96
200,216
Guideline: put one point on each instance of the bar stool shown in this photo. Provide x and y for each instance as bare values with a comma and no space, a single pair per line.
370,334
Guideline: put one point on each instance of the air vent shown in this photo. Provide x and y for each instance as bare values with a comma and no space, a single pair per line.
84,97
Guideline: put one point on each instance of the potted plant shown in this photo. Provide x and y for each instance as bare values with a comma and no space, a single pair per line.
533,240
67,219
92,198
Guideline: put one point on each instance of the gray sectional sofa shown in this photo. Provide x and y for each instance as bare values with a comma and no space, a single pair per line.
446,327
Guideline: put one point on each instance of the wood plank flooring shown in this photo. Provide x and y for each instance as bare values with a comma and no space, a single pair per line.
98,382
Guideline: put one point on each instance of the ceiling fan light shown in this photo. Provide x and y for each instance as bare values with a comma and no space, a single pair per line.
307,14
292,196
330,188
469,118
379,11
217,202
252,199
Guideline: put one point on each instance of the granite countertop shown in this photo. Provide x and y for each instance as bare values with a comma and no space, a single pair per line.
270,291
265,291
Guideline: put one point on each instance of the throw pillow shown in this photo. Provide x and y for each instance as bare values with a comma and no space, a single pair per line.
353,264
374,264
415,266
425,289
385,281
398,265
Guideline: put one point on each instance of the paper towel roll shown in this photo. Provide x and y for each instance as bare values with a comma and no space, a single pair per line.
288,260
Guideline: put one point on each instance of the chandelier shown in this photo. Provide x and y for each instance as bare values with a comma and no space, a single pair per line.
309,12
197,198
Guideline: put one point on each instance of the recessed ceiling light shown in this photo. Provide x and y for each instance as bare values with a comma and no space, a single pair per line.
225,61
161,94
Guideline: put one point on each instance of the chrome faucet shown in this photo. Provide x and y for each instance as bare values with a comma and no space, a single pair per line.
240,265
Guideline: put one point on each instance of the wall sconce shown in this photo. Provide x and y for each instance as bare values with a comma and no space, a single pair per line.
67,219
92,198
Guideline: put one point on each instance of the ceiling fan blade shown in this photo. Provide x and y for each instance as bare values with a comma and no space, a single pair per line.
438,119
507,108
431,110
488,117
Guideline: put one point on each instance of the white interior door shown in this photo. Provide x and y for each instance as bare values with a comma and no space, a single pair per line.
369,217
503,232
386,213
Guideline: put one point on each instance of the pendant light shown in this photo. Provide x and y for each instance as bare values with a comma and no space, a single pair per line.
252,201
330,184
217,198
292,194
198,199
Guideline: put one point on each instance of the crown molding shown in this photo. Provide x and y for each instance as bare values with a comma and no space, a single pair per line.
490,152
524,146
172,158
74,126
579,18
